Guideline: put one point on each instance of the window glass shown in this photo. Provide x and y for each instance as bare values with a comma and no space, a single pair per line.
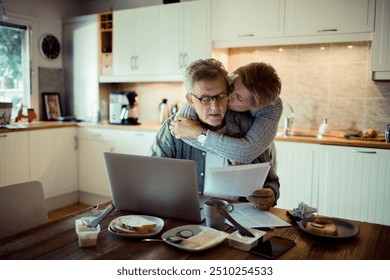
14,65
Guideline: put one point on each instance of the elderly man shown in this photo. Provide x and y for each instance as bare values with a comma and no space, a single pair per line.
207,83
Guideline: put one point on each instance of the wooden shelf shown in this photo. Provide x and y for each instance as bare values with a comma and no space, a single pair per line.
105,42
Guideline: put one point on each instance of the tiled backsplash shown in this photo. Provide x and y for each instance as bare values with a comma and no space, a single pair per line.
321,80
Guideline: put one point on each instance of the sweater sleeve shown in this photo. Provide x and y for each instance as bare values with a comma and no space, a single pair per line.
260,136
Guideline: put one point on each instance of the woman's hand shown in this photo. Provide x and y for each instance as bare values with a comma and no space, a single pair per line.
185,128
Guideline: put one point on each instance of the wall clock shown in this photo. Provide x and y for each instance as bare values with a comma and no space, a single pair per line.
49,46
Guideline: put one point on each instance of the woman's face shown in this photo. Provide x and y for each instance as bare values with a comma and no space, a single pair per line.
240,99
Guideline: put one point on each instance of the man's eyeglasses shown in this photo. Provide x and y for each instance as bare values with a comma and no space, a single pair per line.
206,100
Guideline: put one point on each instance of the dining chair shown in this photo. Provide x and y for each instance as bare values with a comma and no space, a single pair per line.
22,206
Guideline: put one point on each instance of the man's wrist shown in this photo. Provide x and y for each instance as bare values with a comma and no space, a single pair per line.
201,138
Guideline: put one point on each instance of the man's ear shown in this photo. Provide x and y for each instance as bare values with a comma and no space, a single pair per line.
189,99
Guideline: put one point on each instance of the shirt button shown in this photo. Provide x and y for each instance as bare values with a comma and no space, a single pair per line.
203,153
202,174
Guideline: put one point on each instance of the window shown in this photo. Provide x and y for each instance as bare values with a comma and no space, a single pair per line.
15,80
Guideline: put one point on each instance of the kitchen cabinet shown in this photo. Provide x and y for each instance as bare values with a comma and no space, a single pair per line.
381,42
184,36
355,183
239,23
340,181
14,159
135,43
53,160
93,142
323,17
81,66
297,168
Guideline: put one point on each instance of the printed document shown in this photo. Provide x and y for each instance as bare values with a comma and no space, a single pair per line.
249,216
236,180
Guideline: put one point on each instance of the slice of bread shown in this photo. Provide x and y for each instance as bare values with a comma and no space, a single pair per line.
322,226
136,224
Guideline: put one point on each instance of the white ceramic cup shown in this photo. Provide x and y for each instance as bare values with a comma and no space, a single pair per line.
214,219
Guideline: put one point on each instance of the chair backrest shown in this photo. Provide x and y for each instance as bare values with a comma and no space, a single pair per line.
22,206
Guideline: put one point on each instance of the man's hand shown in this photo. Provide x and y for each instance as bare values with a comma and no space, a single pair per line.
263,199
185,128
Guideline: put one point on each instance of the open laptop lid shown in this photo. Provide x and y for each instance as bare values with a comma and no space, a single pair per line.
163,187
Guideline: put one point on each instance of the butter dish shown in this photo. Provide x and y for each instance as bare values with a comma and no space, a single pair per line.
245,243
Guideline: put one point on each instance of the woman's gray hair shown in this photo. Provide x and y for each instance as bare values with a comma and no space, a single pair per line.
204,69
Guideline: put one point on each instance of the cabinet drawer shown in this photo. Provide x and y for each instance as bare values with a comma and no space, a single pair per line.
96,134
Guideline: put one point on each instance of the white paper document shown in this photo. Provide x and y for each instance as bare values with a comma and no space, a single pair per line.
249,216
236,180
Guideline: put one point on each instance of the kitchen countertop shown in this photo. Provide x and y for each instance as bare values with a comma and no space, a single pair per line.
332,138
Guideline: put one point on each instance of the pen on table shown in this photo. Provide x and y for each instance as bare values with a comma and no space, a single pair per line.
264,228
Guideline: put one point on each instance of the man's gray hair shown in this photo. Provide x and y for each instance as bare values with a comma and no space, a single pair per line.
204,69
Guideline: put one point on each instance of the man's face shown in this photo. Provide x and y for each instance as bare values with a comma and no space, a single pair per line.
213,113
240,98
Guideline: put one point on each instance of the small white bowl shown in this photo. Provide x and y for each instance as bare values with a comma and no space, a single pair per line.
245,243
87,236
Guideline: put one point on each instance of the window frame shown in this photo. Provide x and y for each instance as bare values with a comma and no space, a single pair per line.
30,85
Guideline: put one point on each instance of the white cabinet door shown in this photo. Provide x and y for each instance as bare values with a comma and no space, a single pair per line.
184,36
246,19
297,168
381,42
136,142
14,160
81,67
93,142
53,160
355,183
135,43
321,17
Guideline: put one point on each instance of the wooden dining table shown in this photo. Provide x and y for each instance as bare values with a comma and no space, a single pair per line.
57,240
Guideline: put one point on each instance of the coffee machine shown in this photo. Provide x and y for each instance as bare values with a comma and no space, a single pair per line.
123,108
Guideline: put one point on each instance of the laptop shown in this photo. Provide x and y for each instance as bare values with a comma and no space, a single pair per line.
162,187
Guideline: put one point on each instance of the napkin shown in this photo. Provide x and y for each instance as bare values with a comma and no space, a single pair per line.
304,211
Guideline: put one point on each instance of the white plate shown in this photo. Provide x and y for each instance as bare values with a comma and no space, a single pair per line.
159,226
218,237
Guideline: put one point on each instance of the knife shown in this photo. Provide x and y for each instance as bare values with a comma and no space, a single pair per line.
98,219
243,231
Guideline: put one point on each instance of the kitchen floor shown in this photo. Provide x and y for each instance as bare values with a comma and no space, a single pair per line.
59,213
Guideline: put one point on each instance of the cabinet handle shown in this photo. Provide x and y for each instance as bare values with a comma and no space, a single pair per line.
136,58
96,134
327,30
180,60
246,35
3,135
132,62
184,60
76,143
363,152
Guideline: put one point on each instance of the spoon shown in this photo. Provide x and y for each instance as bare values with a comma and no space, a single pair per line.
171,239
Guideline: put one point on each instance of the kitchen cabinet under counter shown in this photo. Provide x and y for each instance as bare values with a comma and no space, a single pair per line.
340,179
96,139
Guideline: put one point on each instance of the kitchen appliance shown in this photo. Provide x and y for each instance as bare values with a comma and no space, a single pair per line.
123,108
387,133
163,110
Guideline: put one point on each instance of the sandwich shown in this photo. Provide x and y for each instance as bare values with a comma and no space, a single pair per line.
322,226
132,224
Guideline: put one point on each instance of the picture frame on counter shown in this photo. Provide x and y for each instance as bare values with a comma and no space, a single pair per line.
52,106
